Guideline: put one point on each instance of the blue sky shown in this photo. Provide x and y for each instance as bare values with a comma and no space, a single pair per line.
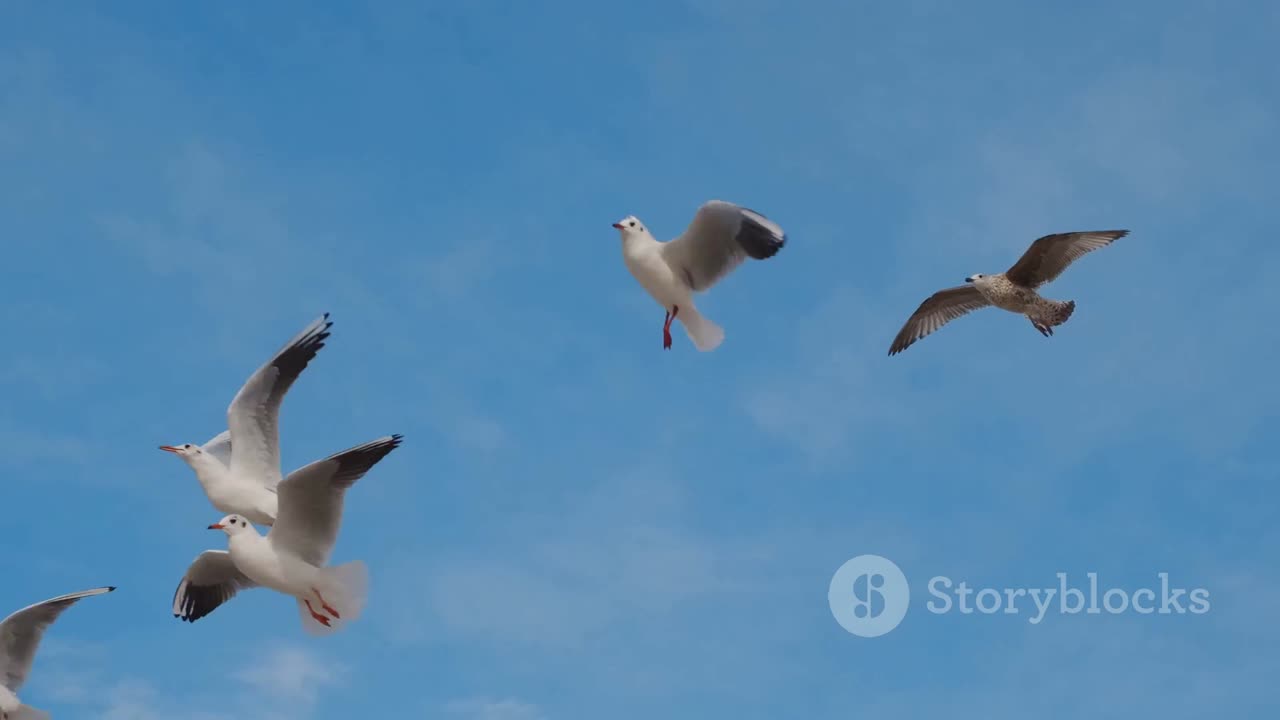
578,524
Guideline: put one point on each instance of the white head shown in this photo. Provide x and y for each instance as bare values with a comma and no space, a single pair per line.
978,279
193,455
630,226
186,451
233,525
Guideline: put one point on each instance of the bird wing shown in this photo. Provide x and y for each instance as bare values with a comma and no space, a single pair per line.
212,579
721,236
311,498
219,446
941,308
254,413
1050,255
20,634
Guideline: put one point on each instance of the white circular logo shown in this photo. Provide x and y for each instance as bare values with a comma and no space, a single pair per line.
869,595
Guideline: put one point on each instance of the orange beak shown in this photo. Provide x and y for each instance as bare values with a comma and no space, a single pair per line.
169,448
216,526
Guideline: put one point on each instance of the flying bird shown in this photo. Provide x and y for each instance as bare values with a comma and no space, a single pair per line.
721,236
20,636
293,555
1013,290
239,468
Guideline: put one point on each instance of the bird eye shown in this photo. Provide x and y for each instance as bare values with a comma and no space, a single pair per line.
633,223
187,446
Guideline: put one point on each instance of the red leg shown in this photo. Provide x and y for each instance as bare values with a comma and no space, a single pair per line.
666,331
319,618
325,605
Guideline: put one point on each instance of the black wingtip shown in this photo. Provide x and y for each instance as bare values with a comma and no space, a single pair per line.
758,240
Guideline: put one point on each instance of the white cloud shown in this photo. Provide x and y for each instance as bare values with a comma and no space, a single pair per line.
289,677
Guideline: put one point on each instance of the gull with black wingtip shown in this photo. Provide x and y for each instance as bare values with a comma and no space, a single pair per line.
720,238
292,557
20,636
239,468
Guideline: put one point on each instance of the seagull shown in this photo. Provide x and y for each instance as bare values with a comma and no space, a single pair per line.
239,468
721,236
292,557
20,635
1013,290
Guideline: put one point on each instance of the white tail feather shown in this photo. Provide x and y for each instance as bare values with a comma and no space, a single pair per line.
345,588
706,335
26,712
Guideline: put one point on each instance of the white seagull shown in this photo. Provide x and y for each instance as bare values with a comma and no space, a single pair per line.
20,635
240,467
1013,290
291,558
721,236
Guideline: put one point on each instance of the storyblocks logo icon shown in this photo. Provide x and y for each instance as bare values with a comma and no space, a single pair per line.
869,595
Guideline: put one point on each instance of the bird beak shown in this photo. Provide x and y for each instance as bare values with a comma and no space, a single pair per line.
169,448
618,225
216,526
968,279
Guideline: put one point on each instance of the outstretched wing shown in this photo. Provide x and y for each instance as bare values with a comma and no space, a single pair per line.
941,308
20,634
212,579
311,498
721,236
1050,255
253,417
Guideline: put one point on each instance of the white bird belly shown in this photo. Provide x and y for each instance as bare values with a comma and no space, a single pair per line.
280,572
653,273
254,502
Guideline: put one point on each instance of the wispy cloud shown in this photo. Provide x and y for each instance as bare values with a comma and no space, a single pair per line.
561,590
290,678
485,708
284,682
